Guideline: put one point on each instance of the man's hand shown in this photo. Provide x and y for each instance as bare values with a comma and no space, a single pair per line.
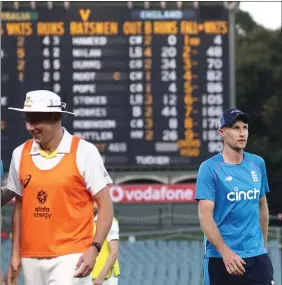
233,263
86,262
14,270
99,281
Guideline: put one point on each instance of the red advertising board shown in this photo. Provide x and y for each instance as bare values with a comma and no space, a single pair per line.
153,193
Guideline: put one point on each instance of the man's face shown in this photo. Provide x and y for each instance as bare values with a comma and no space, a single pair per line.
41,125
236,135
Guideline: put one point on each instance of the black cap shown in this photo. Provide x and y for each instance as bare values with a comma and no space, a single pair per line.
230,116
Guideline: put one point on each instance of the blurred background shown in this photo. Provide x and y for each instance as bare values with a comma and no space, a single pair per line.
147,82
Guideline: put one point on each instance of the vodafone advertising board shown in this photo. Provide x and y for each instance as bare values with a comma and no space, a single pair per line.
153,193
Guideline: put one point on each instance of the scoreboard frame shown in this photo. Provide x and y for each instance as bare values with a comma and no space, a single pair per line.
151,5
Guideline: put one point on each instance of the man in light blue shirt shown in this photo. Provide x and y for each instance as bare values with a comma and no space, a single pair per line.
231,188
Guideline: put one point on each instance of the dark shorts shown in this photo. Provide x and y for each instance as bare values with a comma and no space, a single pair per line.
259,271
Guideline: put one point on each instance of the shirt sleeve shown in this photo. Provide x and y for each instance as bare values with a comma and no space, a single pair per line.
205,184
114,231
13,182
92,168
264,180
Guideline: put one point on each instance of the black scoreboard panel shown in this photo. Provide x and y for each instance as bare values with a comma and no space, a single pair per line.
147,85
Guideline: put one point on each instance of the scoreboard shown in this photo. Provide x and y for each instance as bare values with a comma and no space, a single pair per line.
147,85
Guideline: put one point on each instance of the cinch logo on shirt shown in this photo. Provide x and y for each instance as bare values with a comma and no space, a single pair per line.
237,195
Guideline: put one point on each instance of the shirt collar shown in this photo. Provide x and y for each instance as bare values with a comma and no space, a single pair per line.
64,146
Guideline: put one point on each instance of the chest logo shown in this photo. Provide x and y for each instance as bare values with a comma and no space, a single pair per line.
236,195
228,178
254,176
42,197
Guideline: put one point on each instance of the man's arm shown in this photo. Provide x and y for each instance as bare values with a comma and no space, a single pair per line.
16,226
15,262
263,208
264,218
209,226
205,194
106,214
87,260
96,179
113,245
6,196
232,261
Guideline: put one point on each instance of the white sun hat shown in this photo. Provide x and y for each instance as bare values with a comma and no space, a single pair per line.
42,101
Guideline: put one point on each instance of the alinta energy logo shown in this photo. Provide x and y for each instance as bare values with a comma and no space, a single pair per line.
42,211
42,197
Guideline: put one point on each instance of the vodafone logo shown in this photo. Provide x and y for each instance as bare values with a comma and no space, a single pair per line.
156,193
117,194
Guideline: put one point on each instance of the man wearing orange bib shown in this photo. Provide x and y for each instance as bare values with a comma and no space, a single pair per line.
56,177
106,269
